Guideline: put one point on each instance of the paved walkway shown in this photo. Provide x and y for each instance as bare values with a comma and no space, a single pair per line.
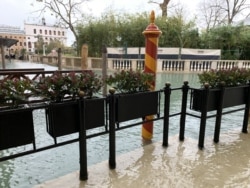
181,165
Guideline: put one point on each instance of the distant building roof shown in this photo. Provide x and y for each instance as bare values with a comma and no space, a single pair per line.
6,29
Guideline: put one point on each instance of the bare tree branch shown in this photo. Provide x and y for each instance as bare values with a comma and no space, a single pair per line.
163,6
67,12
216,12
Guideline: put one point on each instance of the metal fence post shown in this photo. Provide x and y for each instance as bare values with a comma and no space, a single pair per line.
203,116
59,52
185,89
246,113
167,92
112,109
219,113
82,142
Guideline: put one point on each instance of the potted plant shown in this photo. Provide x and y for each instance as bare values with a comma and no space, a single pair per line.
234,82
16,121
14,92
62,90
134,98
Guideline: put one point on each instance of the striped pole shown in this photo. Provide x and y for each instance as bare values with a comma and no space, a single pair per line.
151,34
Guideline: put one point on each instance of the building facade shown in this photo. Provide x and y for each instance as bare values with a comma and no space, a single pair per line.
43,33
31,37
13,33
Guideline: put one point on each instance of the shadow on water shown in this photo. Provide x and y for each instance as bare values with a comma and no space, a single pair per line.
36,168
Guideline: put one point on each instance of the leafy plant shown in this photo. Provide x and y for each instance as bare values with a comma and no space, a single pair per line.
89,83
15,91
130,81
230,77
59,86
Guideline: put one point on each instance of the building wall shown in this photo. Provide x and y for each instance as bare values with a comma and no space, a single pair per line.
13,33
29,36
46,32
166,53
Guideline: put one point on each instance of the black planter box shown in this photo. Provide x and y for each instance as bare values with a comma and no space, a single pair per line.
62,118
233,96
94,112
16,128
136,105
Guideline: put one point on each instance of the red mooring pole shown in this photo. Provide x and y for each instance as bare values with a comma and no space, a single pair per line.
152,34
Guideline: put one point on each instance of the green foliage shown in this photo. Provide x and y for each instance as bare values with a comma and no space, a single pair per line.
229,77
232,40
176,32
69,85
55,87
54,44
130,81
15,91
107,29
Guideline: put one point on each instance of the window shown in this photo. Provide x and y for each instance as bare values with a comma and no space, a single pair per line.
63,33
45,32
24,43
29,44
59,33
34,31
54,32
41,32
21,44
49,32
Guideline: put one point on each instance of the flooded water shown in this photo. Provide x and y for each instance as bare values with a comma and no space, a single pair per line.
36,168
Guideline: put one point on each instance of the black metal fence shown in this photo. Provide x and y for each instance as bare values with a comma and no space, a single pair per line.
109,111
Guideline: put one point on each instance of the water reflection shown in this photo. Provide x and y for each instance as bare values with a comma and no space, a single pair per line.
28,65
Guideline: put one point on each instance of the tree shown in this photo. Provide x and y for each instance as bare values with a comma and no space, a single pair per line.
223,12
212,13
54,45
181,34
113,30
39,45
66,11
235,8
124,30
163,6
230,39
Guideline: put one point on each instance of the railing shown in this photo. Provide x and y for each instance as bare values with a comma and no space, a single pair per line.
115,115
163,65
30,74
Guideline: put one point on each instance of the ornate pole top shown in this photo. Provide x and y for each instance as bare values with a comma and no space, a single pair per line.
152,17
152,29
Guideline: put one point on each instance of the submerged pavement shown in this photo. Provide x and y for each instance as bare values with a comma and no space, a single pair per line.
180,165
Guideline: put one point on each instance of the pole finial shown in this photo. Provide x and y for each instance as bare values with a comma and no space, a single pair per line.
152,17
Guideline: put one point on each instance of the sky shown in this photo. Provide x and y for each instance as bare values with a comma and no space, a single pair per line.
16,12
